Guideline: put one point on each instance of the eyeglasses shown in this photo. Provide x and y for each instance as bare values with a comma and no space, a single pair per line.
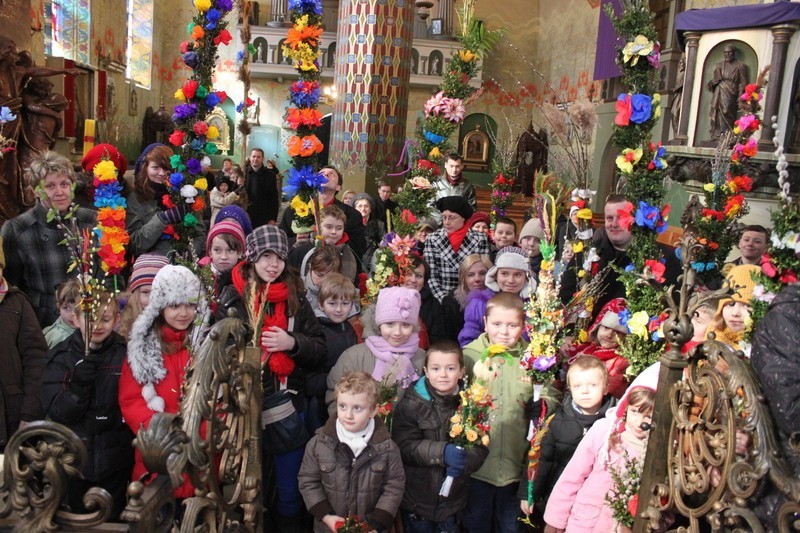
451,218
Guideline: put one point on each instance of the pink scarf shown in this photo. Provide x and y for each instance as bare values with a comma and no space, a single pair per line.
386,355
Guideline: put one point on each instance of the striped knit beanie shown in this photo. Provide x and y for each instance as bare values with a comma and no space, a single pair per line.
145,269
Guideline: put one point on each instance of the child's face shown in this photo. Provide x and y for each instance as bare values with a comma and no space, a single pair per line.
476,276
354,411
735,315
318,276
332,230
336,309
103,326
416,279
701,318
608,338
269,267
510,280
443,371
222,256
530,245
634,418
480,227
180,316
144,295
503,235
223,187
396,333
588,388
67,312
503,326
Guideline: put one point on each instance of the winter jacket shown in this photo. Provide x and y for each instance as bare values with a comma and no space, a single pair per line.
90,405
262,192
430,313
452,315
462,187
333,481
577,503
567,429
444,262
353,227
510,389
420,427
22,359
775,357
56,332
136,412
338,338
374,230
36,262
615,363
473,315
360,358
218,201
146,228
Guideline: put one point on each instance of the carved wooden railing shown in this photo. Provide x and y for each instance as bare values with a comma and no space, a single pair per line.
692,473
214,440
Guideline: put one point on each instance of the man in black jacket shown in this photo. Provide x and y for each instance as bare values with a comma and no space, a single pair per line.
262,190
353,227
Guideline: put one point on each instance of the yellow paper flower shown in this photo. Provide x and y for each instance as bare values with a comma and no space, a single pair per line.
585,213
640,46
637,323
300,207
583,336
655,105
581,273
478,392
201,184
179,95
709,187
628,158
212,133
202,5
495,349
546,265
485,440
435,153
577,247
471,435
466,56
105,171
455,419
301,22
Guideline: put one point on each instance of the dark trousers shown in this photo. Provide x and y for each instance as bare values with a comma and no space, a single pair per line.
413,523
491,509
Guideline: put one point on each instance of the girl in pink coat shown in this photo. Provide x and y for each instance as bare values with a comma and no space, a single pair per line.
578,501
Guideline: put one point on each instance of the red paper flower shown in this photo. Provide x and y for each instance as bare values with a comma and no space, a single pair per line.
711,213
190,88
167,201
626,218
787,276
633,505
176,138
624,108
741,183
200,128
767,267
656,268
224,37
222,95
184,47
408,217
198,204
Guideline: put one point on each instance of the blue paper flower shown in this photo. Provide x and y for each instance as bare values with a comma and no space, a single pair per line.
703,267
213,15
240,56
239,107
211,26
184,111
629,268
306,6
212,99
434,138
6,115
303,98
624,316
194,166
647,216
543,363
641,108
191,60
303,178
197,144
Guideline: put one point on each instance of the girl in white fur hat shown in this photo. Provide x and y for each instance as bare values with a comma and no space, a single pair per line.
158,354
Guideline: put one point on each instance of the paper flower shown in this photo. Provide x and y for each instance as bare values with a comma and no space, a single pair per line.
304,146
639,47
466,56
202,5
656,269
301,207
641,108
628,158
303,177
658,162
189,192
420,183
626,218
637,324
624,109
6,115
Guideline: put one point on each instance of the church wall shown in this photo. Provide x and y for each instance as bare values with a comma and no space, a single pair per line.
706,4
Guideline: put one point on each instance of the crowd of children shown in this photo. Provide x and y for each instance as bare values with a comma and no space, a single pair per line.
373,389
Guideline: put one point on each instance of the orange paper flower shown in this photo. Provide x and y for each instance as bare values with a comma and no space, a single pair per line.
305,146
308,34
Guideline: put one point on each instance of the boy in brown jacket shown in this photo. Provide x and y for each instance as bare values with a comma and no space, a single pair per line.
351,466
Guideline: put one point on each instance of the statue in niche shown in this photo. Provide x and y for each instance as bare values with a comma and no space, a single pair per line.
532,149
41,119
17,69
727,84
794,143
678,96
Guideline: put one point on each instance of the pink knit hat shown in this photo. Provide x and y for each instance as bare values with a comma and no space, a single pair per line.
229,226
145,269
397,304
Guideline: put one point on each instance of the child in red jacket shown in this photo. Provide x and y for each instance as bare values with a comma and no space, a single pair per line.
158,353
605,337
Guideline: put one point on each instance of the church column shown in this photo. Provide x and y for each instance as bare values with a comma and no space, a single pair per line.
692,40
372,79
445,13
781,35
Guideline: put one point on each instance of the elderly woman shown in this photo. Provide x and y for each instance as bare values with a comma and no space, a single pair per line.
35,261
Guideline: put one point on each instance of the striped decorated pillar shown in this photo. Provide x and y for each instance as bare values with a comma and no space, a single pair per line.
373,67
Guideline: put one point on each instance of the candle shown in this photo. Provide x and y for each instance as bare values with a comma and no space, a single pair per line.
88,135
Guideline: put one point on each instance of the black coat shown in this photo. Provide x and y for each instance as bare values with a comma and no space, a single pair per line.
431,314
420,427
452,316
263,195
338,338
354,227
567,429
89,406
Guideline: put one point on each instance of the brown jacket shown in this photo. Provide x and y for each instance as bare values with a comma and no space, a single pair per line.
332,481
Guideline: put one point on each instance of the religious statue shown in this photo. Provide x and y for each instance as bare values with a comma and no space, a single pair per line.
532,150
727,84
678,94
156,126
41,114
794,144
16,70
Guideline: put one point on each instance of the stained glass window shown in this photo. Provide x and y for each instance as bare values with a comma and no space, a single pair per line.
67,29
140,42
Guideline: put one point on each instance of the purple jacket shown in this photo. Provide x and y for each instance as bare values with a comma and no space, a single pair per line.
577,503
473,315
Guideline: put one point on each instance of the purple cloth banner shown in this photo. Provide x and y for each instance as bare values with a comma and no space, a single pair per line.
727,18
605,57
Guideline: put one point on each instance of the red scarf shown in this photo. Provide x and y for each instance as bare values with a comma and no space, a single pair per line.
174,340
457,237
280,364
344,239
